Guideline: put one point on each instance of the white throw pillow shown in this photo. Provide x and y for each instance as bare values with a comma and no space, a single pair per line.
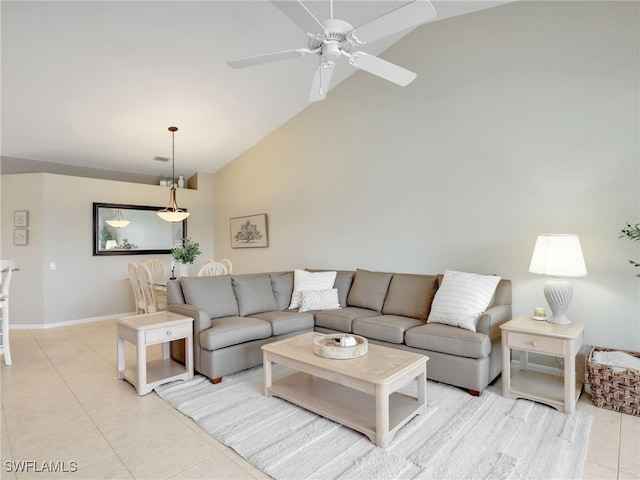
303,280
319,300
462,298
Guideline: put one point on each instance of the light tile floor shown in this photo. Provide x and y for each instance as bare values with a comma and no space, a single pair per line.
62,403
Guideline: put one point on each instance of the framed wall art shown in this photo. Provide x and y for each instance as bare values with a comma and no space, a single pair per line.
20,218
249,232
20,236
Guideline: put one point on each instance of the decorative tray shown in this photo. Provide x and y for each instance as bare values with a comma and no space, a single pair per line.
340,346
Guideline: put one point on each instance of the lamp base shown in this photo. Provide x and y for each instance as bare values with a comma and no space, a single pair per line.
560,319
558,293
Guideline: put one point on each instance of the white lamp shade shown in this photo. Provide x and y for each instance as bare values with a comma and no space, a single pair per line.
558,255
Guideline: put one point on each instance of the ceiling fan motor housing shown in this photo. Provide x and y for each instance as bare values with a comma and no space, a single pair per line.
333,40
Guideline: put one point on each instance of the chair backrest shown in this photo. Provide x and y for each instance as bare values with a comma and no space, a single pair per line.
208,260
135,286
6,269
158,271
148,288
211,269
227,263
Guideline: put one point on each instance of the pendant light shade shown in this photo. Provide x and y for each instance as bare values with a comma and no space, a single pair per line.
172,213
117,221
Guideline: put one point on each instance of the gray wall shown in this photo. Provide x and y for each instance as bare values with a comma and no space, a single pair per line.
60,230
523,120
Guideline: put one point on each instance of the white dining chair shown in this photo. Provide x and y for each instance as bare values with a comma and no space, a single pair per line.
6,271
211,269
227,263
153,300
141,306
158,272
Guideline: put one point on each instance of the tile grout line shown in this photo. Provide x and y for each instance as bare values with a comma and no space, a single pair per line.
98,429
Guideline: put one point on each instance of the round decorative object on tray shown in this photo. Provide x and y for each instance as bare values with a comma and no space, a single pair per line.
340,346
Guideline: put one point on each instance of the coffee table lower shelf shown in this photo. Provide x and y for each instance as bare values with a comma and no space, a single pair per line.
345,405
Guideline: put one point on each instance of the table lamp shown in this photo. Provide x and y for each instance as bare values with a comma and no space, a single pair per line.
559,256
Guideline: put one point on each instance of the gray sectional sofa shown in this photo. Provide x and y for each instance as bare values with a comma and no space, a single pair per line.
236,314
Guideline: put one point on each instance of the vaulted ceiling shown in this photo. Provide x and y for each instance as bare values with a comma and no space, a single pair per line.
97,84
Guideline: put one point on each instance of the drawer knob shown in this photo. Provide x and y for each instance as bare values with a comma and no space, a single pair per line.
535,344
168,332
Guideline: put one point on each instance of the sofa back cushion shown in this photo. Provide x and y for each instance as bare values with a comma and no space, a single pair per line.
369,289
213,295
410,295
254,294
282,285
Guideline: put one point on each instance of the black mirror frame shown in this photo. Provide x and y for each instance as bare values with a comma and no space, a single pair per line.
118,206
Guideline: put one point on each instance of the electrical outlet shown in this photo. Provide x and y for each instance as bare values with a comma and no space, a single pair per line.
52,265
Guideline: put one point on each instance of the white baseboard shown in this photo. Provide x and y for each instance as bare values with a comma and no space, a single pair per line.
42,326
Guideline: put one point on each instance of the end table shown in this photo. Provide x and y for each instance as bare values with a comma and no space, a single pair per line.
565,341
152,329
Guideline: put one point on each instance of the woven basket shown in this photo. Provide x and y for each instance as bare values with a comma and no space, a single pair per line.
619,391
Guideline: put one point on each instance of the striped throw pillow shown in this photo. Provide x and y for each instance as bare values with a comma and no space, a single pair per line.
462,298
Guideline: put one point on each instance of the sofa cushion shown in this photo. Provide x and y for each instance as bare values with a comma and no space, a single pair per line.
213,295
228,331
319,300
387,328
254,293
447,339
287,322
282,285
369,289
461,299
303,280
410,295
340,319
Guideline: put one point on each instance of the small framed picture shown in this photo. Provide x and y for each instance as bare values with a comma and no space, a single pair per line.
20,236
20,218
249,232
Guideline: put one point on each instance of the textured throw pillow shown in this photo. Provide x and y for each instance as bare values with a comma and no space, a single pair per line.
462,298
319,300
303,280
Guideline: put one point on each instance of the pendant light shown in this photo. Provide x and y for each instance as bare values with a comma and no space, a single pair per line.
172,213
117,221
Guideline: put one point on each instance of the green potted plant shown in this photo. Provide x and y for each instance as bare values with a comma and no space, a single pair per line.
185,254
632,232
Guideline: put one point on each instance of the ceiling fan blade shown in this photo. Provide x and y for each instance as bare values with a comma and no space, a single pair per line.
321,82
268,57
381,68
300,15
407,16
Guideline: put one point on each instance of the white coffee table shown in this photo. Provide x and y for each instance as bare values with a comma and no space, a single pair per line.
152,329
360,393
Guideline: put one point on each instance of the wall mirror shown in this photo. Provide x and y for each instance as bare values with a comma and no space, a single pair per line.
133,230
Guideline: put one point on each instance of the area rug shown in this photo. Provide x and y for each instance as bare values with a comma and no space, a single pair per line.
460,436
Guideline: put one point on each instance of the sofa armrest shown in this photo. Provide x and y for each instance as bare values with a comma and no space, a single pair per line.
201,321
490,321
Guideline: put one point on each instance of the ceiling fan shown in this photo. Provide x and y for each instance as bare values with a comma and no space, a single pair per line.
338,38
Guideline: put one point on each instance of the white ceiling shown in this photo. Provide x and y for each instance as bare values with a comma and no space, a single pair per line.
96,84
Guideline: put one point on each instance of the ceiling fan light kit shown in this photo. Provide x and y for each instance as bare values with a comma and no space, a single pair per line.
172,213
338,38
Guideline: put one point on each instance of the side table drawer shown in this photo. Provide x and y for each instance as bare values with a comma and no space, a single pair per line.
165,334
535,343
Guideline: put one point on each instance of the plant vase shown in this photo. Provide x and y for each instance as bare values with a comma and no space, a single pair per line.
183,270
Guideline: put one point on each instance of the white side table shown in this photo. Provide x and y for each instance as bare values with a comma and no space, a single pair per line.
565,341
151,329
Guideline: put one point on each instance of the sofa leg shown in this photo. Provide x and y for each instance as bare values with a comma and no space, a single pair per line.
216,380
475,393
